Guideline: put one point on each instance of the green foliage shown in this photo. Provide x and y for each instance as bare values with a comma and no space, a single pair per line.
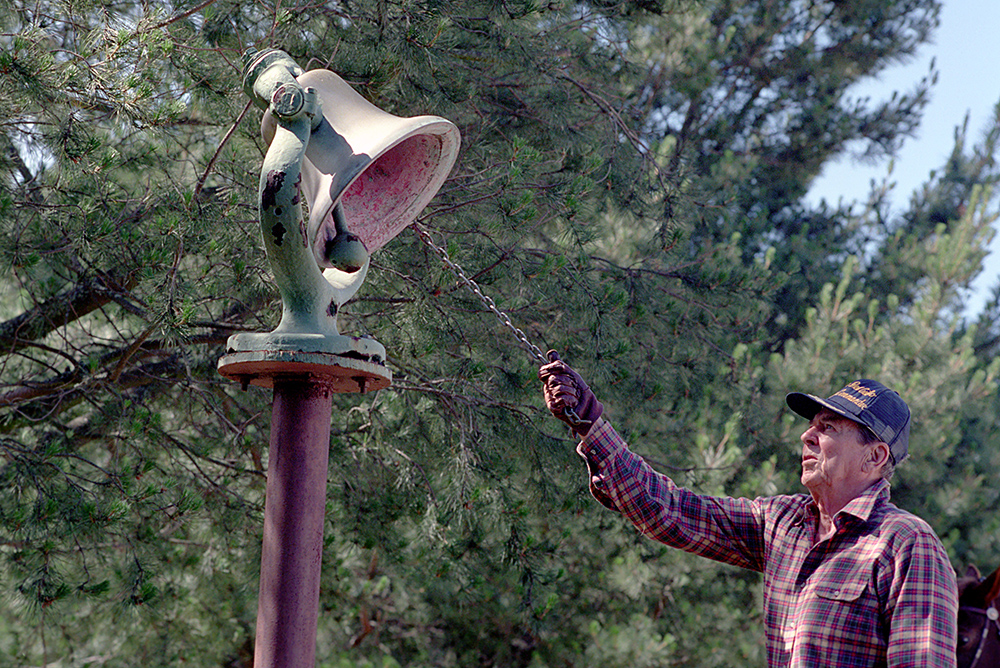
629,191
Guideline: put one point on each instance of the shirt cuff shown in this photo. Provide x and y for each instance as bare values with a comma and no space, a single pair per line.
600,444
598,448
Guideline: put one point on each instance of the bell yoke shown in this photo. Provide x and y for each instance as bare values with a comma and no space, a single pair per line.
364,174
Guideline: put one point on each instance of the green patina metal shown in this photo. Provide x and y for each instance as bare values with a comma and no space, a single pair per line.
307,338
365,175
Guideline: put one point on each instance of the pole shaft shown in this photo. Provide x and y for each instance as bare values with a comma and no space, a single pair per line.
294,512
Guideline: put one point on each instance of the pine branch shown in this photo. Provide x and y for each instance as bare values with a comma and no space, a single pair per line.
89,295
19,164
183,15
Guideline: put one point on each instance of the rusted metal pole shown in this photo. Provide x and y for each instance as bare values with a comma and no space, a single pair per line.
291,558
305,360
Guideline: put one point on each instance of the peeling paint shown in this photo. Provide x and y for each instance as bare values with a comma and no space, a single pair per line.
278,232
272,185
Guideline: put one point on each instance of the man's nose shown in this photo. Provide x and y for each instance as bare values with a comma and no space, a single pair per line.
809,436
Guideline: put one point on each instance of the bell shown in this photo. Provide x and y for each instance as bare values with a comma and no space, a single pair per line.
378,169
364,175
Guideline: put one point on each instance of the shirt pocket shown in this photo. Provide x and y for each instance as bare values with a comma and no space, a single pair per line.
848,590
844,607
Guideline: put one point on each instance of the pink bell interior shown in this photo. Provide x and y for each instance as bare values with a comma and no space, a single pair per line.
382,169
392,191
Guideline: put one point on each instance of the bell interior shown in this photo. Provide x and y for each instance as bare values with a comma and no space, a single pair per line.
389,193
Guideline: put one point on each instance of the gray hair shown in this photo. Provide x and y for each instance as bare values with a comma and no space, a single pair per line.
868,437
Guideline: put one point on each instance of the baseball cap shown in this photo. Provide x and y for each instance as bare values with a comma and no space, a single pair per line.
867,402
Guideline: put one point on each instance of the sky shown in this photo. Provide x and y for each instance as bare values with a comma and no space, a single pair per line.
967,56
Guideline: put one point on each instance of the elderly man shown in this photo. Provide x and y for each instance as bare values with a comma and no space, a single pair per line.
849,578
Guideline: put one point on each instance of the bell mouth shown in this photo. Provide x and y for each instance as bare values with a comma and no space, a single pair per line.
391,192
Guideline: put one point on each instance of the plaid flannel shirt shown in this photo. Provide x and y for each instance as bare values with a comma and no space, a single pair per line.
880,592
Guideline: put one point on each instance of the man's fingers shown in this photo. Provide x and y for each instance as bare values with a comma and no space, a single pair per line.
561,396
562,401
561,389
552,369
556,379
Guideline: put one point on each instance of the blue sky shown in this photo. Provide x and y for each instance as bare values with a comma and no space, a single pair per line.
967,56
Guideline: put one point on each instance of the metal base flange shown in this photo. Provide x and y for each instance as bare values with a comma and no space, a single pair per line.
342,363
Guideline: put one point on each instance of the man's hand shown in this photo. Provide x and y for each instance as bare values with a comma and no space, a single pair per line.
567,396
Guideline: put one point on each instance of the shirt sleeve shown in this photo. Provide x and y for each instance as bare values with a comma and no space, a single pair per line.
923,626
720,528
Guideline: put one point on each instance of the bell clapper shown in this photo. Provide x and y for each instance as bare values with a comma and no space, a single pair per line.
345,251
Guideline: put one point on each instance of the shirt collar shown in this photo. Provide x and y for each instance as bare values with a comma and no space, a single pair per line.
861,507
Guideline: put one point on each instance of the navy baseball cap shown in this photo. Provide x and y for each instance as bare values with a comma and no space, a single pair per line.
866,402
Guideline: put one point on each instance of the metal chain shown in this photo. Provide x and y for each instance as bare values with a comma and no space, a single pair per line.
535,351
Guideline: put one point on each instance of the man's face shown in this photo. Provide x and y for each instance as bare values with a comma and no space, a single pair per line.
832,453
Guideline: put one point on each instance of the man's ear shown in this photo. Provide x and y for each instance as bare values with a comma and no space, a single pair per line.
877,456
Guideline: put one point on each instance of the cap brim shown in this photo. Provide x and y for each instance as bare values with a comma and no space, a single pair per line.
807,405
